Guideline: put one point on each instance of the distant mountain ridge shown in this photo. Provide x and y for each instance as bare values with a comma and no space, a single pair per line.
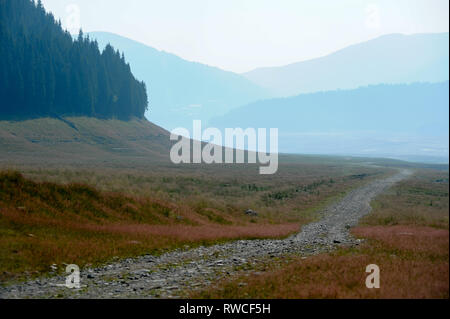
391,59
180,90
375,120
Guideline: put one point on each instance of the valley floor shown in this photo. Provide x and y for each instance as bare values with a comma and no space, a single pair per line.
54,216
175,273
102,194
406,235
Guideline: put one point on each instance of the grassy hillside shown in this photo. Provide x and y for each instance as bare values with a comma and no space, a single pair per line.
82,140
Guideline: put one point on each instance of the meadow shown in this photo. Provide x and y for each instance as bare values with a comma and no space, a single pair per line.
406,235
89,191
87,216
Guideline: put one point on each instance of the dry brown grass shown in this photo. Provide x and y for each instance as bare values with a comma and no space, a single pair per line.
422,200
420,240
89,215
411,266
288,196
33,244
411,247
45,223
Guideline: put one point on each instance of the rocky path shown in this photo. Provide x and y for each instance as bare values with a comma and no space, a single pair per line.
168,275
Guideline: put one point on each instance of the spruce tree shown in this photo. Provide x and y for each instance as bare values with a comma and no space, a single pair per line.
44,72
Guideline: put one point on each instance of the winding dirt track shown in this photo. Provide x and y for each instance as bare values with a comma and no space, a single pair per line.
168,275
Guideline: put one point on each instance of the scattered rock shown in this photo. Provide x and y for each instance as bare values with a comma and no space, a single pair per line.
250,212
172,288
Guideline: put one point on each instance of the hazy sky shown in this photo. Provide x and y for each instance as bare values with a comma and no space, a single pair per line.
240,35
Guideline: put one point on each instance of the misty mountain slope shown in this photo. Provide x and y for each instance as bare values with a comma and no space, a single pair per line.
375,120
180,91
392,59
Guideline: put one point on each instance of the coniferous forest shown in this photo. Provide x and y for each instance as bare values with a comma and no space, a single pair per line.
44,72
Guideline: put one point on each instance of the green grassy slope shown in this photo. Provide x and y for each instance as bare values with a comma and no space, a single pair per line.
82,139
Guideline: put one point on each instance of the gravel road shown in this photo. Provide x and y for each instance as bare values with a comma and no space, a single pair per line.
167,276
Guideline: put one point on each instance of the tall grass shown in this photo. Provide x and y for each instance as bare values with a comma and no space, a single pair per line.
407,237
89,215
